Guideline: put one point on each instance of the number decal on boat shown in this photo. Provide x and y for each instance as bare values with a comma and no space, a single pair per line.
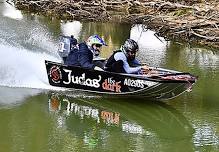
61,47
134,83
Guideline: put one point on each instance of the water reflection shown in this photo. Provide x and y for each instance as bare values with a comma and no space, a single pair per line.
204,58
98,124
205,135
152,48
195,57
102,123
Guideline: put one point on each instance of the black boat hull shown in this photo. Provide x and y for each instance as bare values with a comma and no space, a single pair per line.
103,82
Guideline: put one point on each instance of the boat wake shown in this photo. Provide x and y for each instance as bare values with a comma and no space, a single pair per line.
24,69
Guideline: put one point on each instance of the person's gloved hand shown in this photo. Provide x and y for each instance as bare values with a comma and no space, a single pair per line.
145,69
149,70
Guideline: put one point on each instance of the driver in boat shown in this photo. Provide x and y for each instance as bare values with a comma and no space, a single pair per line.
83,56
124,61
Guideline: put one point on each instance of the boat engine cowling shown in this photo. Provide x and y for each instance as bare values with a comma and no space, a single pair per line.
64,46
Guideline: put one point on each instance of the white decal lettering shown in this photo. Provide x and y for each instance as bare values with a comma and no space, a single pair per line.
69,76
138,83
82,80
134,83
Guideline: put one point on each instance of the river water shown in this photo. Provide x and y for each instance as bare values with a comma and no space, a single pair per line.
35,116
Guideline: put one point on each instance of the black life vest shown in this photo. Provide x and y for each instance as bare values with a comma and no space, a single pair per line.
111,59
114,66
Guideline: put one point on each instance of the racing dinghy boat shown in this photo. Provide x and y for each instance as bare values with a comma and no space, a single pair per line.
165,84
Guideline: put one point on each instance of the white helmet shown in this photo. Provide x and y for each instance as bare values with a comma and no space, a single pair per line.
95,39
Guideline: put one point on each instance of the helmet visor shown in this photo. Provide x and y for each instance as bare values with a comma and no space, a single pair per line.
133,51
98,45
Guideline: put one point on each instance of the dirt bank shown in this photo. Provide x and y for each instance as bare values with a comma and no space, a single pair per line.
189,20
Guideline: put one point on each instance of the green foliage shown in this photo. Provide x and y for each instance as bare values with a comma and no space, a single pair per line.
182,12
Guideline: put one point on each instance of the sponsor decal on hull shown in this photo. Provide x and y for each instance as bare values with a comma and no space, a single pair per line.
111,85
134,83
138,83
68,77
55,74
82,80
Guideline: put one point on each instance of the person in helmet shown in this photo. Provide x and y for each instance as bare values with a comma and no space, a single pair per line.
123,60
95,43
86,53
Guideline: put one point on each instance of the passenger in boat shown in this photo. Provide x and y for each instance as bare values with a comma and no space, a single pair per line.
83,56
124,61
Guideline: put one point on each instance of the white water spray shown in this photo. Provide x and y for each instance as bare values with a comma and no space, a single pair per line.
22,68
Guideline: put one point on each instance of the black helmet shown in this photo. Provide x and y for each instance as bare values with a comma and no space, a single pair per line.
130,45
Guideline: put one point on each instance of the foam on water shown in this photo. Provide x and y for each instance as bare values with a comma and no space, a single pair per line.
11,97
25,44
22,68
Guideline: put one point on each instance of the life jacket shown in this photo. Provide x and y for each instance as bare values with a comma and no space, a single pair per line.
111,59
114,66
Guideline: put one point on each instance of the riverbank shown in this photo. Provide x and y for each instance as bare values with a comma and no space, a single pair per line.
191,21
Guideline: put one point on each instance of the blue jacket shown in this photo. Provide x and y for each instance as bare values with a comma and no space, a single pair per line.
82,57
72,58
